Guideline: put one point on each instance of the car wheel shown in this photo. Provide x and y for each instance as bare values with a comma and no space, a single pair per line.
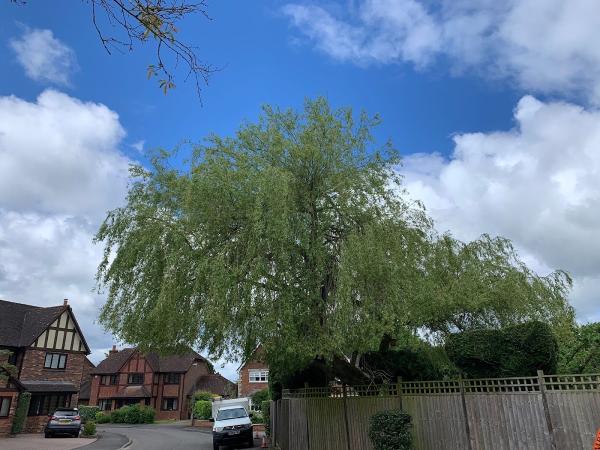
251,443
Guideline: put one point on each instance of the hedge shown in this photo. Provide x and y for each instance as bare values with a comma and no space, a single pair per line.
203,409
390,430
514,351
128,414
102,417
21,412
88,412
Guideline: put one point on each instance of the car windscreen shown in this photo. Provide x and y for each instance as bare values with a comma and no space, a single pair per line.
234,413
65,413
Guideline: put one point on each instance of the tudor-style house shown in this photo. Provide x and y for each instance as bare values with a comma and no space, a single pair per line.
253,374
166,383
49,351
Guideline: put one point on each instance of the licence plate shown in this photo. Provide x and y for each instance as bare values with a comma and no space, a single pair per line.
64,421
234,432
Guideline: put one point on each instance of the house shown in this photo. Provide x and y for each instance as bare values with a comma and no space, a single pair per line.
216,384
253,374
166,383
86,383
49,351
10,388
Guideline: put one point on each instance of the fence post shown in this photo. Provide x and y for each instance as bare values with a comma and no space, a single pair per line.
463,401
399,390
540,375
346,416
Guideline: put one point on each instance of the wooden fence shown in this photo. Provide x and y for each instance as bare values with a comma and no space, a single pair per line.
556,412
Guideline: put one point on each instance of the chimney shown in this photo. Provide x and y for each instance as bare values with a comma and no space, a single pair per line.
114,350
66,302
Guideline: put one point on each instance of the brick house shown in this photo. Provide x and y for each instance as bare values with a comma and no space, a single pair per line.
253,374
166,383
49,350
10,388
86,382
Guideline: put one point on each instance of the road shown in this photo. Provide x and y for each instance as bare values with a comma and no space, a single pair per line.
176,436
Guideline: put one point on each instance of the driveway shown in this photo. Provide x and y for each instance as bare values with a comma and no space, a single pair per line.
38,442
175,436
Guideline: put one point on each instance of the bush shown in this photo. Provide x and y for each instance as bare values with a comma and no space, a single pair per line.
203,395
89,429
133,414
21,412
514,351
390,430
88,412
102,417
266,412
257,417
260,396
203,409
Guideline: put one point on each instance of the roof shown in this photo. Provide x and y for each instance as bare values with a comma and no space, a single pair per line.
48,386
170,363
21,324
133,392
85,389
215,384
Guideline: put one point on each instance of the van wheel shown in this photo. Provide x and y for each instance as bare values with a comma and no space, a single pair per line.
47,435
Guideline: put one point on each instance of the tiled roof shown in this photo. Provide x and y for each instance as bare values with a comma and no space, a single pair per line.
49,386
133,392
21,324
85,389
215,384
171,363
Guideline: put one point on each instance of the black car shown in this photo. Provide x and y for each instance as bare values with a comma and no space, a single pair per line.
63,421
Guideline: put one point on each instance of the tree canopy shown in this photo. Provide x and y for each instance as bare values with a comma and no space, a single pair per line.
295,233
581,353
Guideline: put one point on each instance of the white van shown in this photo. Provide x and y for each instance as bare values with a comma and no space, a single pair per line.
232,424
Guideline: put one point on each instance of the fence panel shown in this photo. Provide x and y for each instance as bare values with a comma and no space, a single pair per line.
438,421
575,418
360,410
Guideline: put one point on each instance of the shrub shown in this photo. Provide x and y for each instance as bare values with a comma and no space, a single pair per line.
203,409
514,351
203,395
260,396
89,429
257,417
266,412
21,412
147,414
88,412
118,415
133,414
102,417
390,430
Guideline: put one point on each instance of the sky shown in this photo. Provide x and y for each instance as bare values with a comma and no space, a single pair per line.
495,107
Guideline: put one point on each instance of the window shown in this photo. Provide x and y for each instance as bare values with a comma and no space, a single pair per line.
4,406
105,404
259,376
136,378
172,378
55,361
169,404
12,358
108,379
44,404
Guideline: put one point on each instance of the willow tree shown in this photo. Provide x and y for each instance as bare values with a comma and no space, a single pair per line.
295,234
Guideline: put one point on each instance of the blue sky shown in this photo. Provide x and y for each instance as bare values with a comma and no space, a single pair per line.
500,128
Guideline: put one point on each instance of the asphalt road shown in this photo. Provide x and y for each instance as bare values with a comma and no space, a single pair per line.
164,437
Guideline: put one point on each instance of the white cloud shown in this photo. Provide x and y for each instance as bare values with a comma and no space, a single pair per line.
44,57
536,184
60,170
139,145
543,45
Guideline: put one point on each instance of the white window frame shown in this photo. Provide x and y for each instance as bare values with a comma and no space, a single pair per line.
258,375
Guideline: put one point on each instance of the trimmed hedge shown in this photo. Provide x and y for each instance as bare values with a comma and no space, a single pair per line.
203,409
21,412
390,430
514,351
102,417
129,414
88,412
260,396
203,395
